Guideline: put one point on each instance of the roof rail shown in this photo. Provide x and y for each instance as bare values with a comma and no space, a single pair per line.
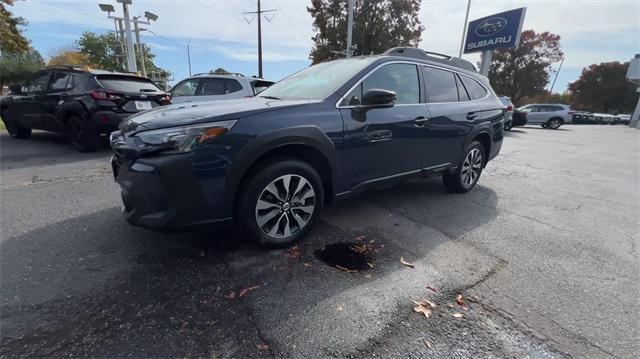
223,74
431,56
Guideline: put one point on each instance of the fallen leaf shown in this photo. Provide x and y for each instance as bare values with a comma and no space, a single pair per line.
435,290
372,241
428,344
368,276
359,238
457,315
339,307
459,299
430,303
419,308
450,305
307,264
263,346
406,263
231,295
360,248
370,265
183,327
346,269
293,252
247,290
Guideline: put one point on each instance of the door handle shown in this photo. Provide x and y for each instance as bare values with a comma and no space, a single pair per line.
419,121
471,116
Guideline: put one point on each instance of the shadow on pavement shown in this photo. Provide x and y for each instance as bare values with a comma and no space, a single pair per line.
95,286
42,149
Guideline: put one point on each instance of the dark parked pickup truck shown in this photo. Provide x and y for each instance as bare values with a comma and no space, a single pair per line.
270,163
83,104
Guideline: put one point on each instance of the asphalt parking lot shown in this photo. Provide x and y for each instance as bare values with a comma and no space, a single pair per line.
544,252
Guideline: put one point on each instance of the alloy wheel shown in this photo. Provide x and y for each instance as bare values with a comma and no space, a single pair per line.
554,124
285,206
471,167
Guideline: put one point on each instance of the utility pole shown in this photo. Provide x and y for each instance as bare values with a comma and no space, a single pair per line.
131,56
464,28
350,4
189,55
140,45
259,13
556,77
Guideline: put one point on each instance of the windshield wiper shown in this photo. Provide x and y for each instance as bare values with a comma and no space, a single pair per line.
271,97
147,90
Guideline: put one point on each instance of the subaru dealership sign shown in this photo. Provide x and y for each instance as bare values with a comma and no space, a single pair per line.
495,31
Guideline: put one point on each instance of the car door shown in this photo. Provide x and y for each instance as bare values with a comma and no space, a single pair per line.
60,84
452,116
29,107
185,91
537,114
383,143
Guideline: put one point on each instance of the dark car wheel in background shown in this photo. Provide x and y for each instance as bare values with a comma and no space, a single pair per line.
468,171
280,202
554,123
508,126
79,136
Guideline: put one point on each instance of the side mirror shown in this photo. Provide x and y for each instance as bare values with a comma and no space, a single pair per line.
377,98
16,89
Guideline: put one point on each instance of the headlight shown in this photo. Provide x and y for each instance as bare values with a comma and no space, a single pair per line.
182,139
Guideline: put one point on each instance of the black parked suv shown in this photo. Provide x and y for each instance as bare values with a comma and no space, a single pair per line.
270,163
80,103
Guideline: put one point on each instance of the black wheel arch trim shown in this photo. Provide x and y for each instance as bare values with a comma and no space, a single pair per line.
250,154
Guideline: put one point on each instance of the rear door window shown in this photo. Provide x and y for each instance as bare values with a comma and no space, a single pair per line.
60,81
126,84
475,90
462,93
441,85
212,86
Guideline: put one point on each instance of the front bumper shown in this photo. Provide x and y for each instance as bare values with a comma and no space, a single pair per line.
161,192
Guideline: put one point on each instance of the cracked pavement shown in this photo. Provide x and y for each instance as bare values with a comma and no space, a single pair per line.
546,246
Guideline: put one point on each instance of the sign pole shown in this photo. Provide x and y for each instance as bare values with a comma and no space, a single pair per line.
464,28
486,62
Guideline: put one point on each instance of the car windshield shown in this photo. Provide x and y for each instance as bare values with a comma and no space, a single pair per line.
318,81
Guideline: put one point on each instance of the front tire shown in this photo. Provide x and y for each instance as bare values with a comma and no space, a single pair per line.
554,123
280,203
14,129
468,171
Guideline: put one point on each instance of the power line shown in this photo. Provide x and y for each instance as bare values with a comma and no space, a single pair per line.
299,32
218,11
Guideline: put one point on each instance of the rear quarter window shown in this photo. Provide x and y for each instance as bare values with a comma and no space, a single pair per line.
475,90
441,85
129,84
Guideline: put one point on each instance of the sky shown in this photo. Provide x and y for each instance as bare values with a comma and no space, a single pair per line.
219,35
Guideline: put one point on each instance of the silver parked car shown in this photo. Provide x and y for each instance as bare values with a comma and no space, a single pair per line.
508,112
212,87
548,115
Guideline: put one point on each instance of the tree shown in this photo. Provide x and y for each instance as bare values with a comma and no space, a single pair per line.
378,26
67,56
604,88
219,71
102,51
17,68
524,71
11,41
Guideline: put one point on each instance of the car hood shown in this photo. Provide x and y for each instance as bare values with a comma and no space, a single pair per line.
200,112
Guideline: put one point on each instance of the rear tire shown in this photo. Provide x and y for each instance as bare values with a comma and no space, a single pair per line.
272,215
78,135
468,171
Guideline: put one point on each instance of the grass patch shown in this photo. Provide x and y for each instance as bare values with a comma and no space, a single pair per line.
2,124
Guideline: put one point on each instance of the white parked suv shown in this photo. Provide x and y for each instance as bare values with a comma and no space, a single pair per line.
547,115
212,87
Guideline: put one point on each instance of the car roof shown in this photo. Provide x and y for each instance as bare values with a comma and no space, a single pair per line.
88,71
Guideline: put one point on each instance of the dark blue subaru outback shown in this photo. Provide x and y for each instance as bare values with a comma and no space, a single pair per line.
271,162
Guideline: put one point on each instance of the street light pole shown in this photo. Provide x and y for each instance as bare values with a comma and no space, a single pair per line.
349,27
189,55
131,55
464,28
140,46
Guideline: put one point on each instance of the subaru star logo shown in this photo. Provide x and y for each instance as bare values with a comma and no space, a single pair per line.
491,26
